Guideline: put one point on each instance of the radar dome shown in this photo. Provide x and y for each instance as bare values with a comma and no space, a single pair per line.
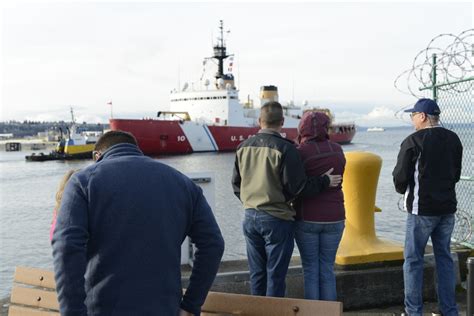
220,83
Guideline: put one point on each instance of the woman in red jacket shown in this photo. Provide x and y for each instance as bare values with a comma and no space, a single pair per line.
320,218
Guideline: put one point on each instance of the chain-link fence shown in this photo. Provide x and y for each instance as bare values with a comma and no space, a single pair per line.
444,71
456,102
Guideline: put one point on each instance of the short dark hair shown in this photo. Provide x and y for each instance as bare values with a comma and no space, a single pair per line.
112,138
271,114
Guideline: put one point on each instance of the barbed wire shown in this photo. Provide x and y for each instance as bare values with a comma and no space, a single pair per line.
453,63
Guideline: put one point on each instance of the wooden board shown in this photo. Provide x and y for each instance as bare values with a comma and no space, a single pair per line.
34,297
24,311
249,305
36,277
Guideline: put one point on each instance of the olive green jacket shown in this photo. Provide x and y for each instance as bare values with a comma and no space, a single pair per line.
268,174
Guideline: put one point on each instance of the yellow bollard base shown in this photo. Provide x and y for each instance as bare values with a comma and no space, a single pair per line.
368,250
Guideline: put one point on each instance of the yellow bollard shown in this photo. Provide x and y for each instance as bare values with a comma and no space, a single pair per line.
359,243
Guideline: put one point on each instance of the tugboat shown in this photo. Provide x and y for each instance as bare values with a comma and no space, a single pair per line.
212,118
74,146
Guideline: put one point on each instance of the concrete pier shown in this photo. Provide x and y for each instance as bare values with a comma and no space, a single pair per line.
366,287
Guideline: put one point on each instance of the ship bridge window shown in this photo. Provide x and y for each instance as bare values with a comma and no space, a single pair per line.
203,98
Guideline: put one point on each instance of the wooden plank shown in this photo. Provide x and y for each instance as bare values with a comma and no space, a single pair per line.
34,297
249,305
218,314
37,277
14,310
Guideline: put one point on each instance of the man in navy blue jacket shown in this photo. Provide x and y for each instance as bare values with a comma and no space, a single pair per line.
117,242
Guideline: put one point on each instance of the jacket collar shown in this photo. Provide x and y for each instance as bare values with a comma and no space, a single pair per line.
122,149
269,131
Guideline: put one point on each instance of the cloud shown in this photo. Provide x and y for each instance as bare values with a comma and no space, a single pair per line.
383,116
380,113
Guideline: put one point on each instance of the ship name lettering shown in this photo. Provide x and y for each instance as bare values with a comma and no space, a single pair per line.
233,138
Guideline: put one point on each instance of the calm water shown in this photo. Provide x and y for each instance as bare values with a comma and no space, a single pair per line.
28,189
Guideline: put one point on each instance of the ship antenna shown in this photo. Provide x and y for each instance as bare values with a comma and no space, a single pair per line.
220,52
72,116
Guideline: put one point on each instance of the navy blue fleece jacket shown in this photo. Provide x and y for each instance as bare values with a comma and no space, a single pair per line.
116,245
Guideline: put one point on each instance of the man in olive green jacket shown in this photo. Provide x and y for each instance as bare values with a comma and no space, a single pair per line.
268,175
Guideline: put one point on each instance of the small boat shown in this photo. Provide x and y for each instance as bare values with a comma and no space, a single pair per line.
74,146
54,155
12,146
375,129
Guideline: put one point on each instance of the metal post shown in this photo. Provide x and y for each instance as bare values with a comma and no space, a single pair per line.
433,78
470,286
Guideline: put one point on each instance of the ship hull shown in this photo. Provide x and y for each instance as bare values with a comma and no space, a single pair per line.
162,137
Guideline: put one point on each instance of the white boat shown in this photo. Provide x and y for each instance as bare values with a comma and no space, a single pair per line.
375,129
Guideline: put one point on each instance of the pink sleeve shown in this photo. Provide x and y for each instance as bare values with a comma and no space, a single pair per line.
53,225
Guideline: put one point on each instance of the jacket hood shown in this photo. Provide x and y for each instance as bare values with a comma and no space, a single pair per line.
313,126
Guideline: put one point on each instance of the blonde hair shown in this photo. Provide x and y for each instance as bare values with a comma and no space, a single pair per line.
62,185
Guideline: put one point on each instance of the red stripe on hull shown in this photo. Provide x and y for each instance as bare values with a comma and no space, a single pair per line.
229,137
155,137
166,137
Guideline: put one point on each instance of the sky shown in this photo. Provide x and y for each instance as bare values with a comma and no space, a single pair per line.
341,55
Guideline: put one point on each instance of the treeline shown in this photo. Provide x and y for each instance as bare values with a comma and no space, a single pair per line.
32,128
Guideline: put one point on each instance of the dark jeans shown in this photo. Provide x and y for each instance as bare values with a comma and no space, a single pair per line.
418,230
270,245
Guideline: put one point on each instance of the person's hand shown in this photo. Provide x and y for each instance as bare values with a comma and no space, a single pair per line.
182,312
334,179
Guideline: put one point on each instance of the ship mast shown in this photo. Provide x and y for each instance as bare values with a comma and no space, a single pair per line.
220,52
73,120
72,130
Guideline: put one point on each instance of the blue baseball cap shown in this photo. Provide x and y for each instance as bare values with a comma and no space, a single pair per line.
427,106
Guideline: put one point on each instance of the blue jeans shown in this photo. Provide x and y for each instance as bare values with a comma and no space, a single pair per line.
318,245
270,243
418,230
